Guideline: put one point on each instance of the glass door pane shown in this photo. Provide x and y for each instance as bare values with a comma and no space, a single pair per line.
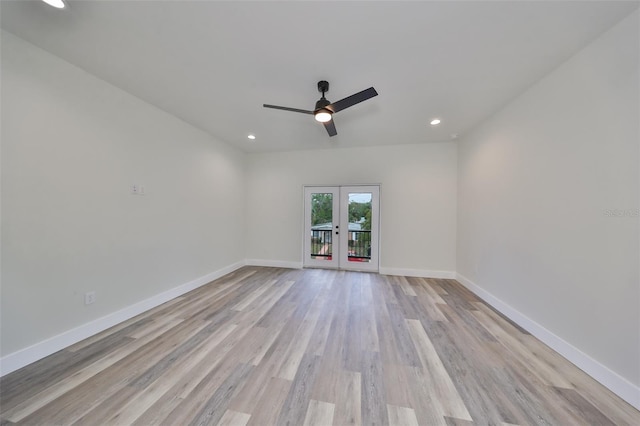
359,235
321,244
321,225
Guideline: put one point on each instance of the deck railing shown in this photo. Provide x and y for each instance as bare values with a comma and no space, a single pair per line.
321,243
359,244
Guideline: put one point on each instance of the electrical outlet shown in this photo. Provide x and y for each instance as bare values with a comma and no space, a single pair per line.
89,297
134,189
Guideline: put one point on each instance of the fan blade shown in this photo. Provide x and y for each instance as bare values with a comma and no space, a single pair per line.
304,111
331,127
353,99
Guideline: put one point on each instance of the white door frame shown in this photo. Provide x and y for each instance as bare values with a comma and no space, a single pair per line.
340,228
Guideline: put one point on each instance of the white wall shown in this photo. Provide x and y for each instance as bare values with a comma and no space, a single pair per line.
537,183
71,147
418,201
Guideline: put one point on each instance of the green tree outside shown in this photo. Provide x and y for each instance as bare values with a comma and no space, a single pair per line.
321,209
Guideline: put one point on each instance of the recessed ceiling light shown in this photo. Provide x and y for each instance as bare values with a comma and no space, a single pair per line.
252,137
435,121
58,4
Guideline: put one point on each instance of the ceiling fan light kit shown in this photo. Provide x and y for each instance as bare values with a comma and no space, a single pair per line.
323,115
324,109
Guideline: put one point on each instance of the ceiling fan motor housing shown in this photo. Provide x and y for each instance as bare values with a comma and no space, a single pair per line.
322,103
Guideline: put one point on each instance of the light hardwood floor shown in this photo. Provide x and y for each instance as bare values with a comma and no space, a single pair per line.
269,346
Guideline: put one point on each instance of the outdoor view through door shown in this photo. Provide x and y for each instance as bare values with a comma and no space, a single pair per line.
341,227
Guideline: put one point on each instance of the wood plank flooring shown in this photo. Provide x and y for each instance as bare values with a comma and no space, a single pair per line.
270,346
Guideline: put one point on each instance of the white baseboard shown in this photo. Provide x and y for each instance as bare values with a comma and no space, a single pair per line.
33,353
610,379
274,263
422,273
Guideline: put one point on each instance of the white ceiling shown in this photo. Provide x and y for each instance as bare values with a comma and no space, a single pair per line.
213,64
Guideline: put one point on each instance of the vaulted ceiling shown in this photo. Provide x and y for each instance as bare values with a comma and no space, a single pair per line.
213,64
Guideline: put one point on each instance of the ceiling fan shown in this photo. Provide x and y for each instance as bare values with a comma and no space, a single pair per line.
325,109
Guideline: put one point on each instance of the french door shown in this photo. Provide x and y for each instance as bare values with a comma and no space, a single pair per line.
341,227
